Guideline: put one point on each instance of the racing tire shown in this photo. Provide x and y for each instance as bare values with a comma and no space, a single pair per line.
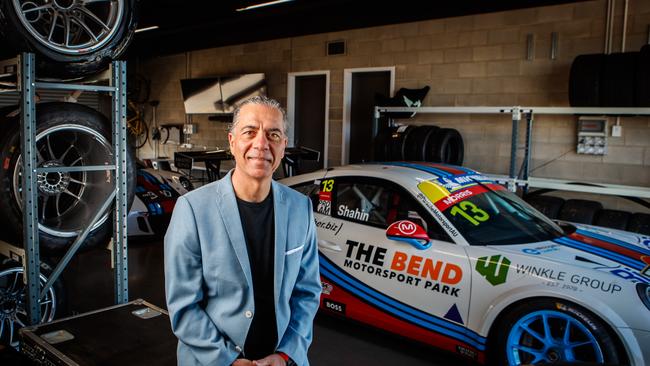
639,223
579,211
614,219
13,299
548,205
618,80
72,38
585,80
520,337
397,141
418,141
446,146
643,78
67,134
382,148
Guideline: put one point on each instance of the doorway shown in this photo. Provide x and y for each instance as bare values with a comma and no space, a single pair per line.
307,111
359,89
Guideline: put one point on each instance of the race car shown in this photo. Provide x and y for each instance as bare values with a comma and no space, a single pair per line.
155,197
443,255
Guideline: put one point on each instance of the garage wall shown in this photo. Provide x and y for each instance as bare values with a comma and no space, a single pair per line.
467,61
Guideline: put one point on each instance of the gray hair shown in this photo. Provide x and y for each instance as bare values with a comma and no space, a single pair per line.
260,100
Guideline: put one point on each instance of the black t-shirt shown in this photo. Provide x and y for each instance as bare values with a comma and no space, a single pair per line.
259,230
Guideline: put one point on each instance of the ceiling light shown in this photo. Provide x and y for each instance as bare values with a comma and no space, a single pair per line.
146,29
263,5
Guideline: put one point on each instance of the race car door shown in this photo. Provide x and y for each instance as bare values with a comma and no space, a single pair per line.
388,283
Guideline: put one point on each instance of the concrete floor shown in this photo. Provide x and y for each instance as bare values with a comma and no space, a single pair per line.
339,342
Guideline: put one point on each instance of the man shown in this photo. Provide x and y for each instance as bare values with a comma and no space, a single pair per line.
241,258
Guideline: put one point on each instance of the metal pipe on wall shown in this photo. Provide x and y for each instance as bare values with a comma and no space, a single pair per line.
624,26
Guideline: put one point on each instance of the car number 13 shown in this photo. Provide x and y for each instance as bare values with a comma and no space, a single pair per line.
465,206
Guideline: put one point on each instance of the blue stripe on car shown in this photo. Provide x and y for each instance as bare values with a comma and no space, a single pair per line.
613,241
608,254
400,310
428,169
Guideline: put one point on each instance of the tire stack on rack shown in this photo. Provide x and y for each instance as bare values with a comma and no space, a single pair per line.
420,143
590,213
613,80
71,40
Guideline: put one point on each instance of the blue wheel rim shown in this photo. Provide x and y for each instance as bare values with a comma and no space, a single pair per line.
551,336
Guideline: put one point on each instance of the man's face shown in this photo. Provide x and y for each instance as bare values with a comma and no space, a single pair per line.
258,141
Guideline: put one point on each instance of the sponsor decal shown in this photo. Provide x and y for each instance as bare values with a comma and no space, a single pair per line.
355,214
494,269
619,271
567,281
330,226
439,217
454,198
646,242
334,306
466,352
325,197
326,288
413,270
569,309
406,227
455,183
542,249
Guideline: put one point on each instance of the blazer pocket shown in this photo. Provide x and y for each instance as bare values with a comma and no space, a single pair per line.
294,250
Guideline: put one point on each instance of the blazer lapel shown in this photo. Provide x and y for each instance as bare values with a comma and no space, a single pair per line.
281,213
227,205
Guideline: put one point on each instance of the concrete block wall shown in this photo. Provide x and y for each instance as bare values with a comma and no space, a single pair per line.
477,60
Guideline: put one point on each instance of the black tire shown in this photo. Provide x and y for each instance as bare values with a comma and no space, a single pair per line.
643,78
397,142
416,145
614,219
579,211
382,148
619,80
639,223
548,205
559,313
584,80
12,298
82,55
86,134
446,146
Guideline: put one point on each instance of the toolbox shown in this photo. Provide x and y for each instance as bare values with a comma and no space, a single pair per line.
135,333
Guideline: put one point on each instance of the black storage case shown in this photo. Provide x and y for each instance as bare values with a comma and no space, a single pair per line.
136,333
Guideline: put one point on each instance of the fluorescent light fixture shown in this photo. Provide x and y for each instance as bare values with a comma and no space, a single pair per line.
263,5
146,29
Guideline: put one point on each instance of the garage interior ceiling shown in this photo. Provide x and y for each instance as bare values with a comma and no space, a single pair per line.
206,24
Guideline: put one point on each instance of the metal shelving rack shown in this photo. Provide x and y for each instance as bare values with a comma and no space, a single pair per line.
513,180
27,85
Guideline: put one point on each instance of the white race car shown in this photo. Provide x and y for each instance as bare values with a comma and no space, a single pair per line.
443,255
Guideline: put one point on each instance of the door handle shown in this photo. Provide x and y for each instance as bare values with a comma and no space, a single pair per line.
324,244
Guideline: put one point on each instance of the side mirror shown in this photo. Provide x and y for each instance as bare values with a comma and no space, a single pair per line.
409,232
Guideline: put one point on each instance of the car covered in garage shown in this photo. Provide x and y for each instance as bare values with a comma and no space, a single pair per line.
443,255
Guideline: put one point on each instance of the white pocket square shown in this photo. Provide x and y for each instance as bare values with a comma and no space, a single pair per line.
291,251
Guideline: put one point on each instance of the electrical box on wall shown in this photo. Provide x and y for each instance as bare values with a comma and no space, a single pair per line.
592,135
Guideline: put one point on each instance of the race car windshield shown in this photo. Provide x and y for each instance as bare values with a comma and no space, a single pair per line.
495,216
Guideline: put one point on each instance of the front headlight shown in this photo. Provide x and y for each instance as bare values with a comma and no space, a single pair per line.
643,289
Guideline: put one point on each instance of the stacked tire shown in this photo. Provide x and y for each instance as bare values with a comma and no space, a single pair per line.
613,80
420,143
72,38
590,213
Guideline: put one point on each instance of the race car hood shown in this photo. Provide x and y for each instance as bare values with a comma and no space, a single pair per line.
624,254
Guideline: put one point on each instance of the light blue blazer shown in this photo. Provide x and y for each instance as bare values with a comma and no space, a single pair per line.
208,280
